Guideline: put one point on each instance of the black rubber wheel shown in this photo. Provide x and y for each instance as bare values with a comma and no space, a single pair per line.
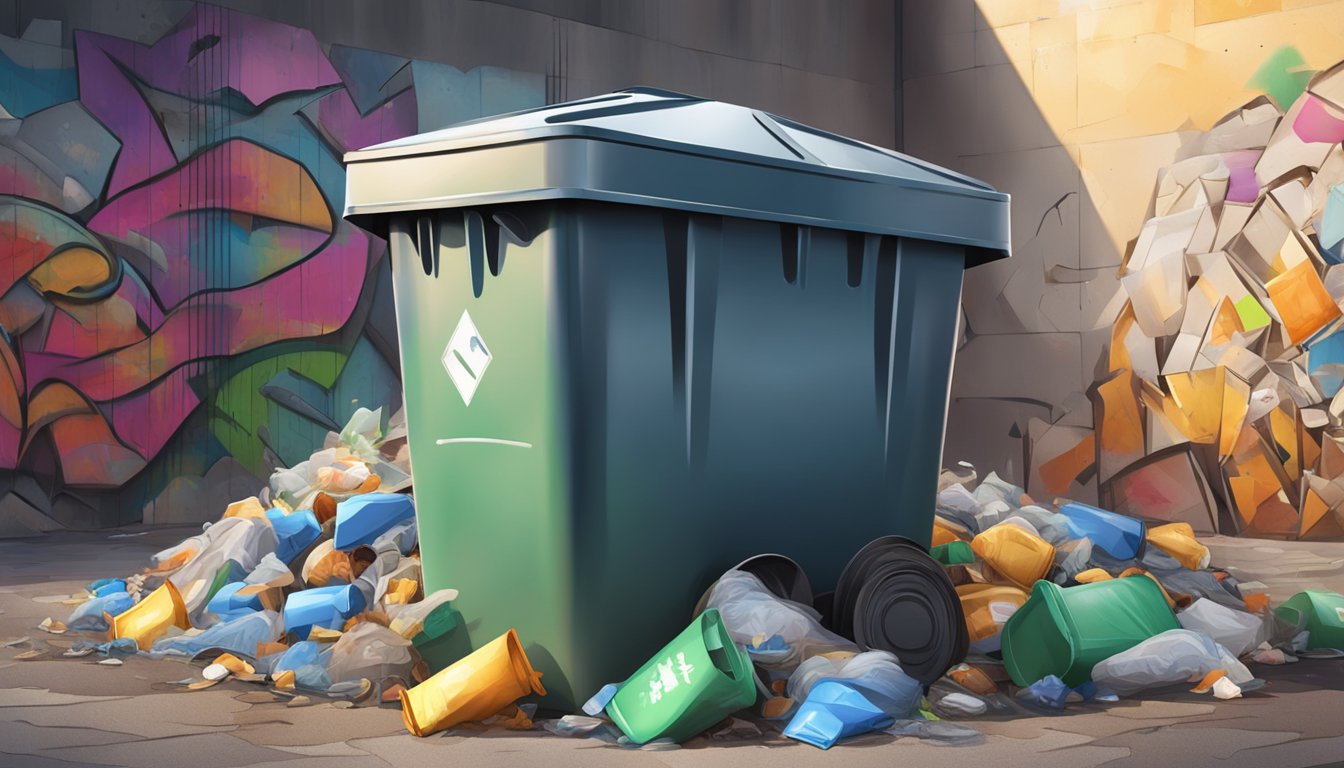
907,605
854,575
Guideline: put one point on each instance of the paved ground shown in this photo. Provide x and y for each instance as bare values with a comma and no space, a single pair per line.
73,712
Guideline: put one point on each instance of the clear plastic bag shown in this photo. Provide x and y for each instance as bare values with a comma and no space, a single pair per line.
1237,631
777,633
242,540
408,620
1175,656
370,651
877,674
88,617
363,433
239,636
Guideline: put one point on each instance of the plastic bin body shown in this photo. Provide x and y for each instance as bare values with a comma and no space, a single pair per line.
670,388
648,419
1065,631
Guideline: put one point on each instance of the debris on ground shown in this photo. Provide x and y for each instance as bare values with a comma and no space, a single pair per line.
313,588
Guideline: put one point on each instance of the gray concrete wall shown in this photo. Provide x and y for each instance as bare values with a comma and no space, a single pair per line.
829,63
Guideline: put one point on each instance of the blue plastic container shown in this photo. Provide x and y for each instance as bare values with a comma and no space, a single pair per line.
105,587
322,607
227,604
1120,536
363,518
295,530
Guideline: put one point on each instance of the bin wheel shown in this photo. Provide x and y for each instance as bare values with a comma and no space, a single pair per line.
899,599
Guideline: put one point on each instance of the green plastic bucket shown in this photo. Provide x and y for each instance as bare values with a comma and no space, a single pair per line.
1320,613
1066,631
695,681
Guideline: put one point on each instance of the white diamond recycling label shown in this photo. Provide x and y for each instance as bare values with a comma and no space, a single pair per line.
466,357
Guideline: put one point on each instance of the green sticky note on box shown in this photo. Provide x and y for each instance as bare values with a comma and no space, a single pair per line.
1250,312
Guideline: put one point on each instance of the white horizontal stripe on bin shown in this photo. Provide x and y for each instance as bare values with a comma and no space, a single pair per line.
489,440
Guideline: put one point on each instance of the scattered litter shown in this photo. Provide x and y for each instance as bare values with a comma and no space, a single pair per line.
1224,688
573,726
960,704
299,701
52,626
127,535
111,662
215,672
933,730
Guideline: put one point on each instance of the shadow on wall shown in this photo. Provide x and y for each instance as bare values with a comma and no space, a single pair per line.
1023,363
182,306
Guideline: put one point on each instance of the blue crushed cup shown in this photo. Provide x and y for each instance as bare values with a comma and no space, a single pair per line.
835,710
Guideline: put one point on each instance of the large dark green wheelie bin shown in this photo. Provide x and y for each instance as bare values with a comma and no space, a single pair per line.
646,335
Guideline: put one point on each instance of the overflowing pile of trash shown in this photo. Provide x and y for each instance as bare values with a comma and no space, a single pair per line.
1225,372
313,588
1057,603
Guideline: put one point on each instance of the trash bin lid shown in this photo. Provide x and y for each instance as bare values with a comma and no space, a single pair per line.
657,148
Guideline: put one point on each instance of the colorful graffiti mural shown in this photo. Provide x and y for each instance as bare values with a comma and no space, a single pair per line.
182,307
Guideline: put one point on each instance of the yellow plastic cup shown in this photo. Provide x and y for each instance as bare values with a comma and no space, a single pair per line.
476,687
149,619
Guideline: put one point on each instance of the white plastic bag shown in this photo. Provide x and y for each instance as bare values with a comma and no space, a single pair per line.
1237,631
370,651
754,616
363,433
877,674
1175,656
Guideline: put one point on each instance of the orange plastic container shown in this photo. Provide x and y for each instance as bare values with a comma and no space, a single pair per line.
946,532
987,607
1015,553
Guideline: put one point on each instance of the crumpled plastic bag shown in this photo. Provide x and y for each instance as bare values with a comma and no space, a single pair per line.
362,434
754,617
88,617
370,651
1174,656
301,654
409,619
239,636
1049,692
1237,631
934,730
877,674
834,710
1051,526
241,540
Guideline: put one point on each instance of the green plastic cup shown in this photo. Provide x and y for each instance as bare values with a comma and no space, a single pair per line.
697,680
1066,631
1320,613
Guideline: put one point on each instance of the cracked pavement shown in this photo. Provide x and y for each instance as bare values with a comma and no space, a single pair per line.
64,712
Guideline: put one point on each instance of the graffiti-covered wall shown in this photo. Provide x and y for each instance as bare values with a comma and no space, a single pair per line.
183,307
